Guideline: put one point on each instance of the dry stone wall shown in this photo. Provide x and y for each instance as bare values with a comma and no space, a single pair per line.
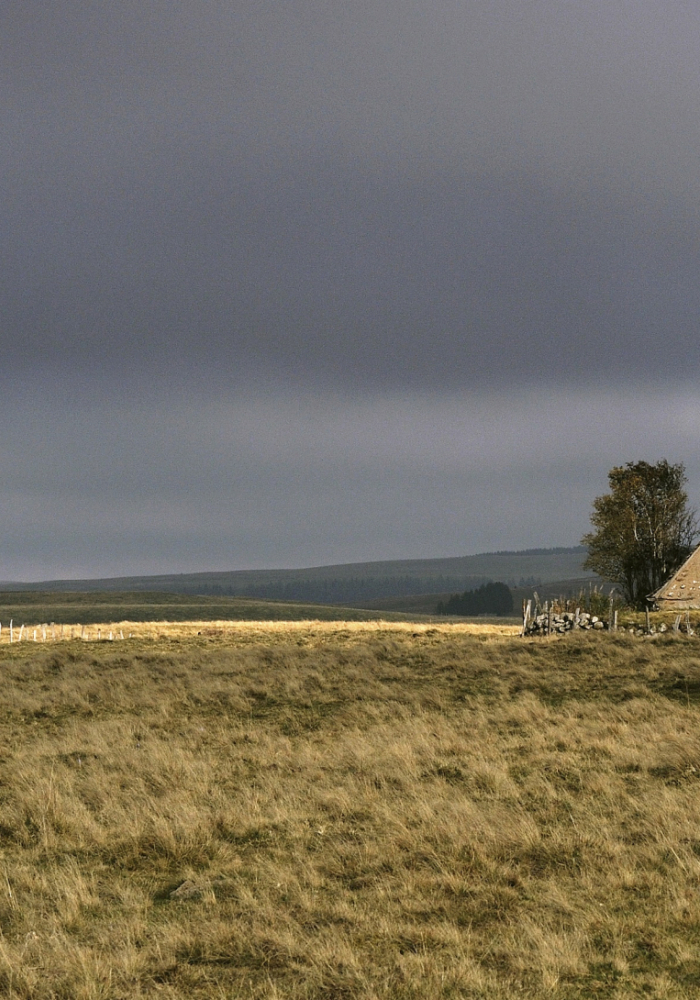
553,623
549,623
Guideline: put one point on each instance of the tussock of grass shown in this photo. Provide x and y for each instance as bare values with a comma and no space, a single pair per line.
370,813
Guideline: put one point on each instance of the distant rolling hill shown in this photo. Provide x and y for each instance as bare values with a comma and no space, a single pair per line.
351,582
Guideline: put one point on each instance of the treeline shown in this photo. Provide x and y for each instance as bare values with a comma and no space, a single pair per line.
338,591
489,599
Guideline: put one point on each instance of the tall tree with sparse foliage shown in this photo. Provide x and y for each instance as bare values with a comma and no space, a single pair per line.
644,529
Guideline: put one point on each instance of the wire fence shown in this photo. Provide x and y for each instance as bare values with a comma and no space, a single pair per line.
51,632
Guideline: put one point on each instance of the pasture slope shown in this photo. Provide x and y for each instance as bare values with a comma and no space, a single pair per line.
321,811
33,608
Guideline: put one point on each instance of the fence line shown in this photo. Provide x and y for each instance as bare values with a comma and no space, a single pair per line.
48,632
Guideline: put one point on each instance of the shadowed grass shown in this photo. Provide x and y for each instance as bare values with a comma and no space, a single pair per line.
34,608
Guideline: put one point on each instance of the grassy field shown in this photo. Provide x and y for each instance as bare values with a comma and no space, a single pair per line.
318,810
33,608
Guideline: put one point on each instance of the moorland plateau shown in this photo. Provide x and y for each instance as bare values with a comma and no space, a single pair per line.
350,583
350,810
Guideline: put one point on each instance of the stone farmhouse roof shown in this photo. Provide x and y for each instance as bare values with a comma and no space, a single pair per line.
683,589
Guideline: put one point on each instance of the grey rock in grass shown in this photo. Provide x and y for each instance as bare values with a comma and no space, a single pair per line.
189,889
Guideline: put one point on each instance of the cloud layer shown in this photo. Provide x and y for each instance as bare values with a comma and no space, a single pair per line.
298,283
119,486
398,194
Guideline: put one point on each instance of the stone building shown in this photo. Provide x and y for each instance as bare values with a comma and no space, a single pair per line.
683,589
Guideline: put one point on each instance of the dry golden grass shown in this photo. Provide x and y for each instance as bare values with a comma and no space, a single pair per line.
246,630
350,812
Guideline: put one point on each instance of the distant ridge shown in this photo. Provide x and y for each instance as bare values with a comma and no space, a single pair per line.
531,552
335,584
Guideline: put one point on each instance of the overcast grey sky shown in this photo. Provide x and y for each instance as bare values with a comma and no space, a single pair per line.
302,283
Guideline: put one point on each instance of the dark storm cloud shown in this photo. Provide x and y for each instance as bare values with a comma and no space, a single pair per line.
291,283
380,194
